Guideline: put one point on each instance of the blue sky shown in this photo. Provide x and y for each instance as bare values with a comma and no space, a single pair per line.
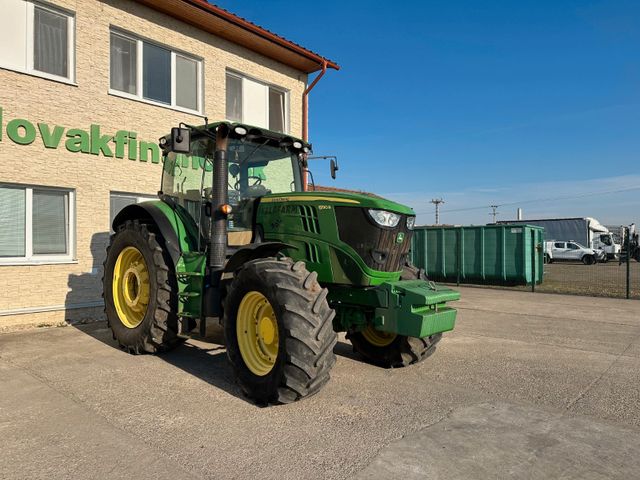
478,102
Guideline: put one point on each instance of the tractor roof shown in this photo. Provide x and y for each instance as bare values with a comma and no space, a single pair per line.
252,130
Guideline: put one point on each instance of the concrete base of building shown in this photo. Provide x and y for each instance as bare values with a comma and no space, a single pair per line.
51,316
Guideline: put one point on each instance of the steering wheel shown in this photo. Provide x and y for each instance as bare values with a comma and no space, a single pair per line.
256,181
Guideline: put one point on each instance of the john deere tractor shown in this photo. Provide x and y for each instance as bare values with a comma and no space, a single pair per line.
233,238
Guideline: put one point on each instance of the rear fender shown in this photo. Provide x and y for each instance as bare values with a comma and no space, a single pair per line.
150,211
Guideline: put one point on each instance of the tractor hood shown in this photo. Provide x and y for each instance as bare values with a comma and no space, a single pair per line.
339,198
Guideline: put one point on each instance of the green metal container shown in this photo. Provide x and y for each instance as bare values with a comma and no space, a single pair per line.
492,254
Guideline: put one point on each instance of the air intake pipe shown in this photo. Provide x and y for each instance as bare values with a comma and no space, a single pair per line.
219,199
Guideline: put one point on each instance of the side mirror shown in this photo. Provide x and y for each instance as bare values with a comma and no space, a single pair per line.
180,140
334,168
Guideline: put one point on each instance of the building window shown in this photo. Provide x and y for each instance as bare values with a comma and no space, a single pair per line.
147,71
256,103
36,224
38,39
124,58
118,201
234,98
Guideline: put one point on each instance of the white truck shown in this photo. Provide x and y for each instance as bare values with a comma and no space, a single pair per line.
571,252
630,238
586,231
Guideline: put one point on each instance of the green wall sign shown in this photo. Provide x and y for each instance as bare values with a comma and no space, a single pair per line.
122,143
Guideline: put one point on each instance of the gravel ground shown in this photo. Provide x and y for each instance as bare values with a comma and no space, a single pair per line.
74,406
574,278
602,279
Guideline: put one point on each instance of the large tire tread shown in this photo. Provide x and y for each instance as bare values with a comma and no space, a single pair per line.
158,330
404,351
306,318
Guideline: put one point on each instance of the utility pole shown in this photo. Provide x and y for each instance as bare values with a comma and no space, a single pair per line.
437,202
494,213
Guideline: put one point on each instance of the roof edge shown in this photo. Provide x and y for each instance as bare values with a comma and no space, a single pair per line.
263,32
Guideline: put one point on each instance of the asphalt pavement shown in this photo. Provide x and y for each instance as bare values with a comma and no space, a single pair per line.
527,386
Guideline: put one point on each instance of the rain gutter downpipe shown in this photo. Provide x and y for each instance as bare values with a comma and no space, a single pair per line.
305,121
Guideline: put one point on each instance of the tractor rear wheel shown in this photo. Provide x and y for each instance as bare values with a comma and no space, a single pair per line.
139,292
390,350
278,330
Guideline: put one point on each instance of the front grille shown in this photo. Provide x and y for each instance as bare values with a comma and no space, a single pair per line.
377,246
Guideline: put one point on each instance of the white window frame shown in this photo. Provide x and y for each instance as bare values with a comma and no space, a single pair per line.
140,41
30,33
38,259
287,108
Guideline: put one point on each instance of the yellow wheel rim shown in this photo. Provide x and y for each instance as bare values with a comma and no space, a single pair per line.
257,332
378,338
130,287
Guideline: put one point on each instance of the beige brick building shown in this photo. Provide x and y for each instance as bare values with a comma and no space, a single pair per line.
86,89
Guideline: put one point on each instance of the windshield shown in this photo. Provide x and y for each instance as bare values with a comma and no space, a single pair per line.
255,169
258,168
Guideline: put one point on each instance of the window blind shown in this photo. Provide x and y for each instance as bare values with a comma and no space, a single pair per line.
276,110
50,222
123,64
234,98
117,203
50,49
186,83
12,222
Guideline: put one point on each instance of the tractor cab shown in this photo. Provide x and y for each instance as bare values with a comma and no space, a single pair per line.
260,162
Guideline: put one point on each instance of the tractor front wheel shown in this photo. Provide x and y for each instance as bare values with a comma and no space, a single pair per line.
278,330
139,292
390,350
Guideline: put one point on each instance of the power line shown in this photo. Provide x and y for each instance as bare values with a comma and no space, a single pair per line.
548,199
437,202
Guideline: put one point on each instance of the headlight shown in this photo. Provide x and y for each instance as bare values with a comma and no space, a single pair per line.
411,222
384,218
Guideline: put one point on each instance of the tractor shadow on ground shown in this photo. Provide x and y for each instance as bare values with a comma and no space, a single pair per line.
205,359
345,349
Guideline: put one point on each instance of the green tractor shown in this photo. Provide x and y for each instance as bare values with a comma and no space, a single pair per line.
234,239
